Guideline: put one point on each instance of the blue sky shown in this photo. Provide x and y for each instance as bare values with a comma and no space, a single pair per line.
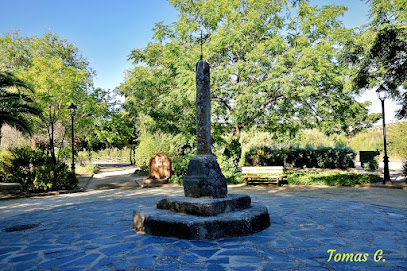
106,31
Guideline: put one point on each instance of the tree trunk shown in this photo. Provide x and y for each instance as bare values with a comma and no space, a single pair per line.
237,130
51,137
51,145
131,155
134,154
33,142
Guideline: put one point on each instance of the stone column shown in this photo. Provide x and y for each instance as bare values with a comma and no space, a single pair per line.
204,177
203,108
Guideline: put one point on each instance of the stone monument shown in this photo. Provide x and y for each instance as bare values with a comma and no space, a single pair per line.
207,211
204,177
159,169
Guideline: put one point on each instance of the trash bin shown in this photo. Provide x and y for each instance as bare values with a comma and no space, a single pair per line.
368,156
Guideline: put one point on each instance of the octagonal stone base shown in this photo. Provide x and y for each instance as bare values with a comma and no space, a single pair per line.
205,207
167,223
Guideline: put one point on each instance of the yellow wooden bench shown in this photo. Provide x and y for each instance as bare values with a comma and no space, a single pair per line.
265,175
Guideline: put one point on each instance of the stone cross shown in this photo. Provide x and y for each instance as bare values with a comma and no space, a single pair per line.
204,177
203,108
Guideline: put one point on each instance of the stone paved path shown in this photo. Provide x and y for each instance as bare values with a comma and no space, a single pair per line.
92,231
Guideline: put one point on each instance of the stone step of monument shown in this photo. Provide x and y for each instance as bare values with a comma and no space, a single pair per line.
167,223
205,206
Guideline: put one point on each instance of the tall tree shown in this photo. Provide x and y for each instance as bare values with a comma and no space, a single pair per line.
269,68
56,70
110,125
16,107
379,53
350,118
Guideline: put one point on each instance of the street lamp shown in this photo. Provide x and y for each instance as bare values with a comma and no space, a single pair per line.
382,95
73,108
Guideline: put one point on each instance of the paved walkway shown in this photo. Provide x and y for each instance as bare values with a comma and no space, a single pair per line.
92,231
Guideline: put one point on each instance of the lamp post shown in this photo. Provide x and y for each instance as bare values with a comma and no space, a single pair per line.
382,95
73,108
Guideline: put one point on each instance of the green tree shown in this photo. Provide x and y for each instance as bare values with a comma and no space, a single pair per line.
397,139
106,123
60,75
272,66
351,118
16,107
379,53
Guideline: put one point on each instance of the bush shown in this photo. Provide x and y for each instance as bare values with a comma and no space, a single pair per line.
180,166
155,143
323,157
404,169
371,164
5,157
330,178
83,158
35,171
229,158
108,154
229,169
90,169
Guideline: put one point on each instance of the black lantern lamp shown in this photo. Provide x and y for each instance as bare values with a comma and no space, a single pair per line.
382,94
73,108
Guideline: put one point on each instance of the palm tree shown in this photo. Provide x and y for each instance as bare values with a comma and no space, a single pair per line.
16,106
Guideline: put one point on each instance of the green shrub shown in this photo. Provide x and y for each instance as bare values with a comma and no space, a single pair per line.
229,158
142,172
323,157
155,143
5,157
229,169
180,166
371,164
176,179
330,178
83,158
404,169
35,171
89,169
109,154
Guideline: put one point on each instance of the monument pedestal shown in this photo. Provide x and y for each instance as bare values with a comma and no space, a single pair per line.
206,212
204,178
202,219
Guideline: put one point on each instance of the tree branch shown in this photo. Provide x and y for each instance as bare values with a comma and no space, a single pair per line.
223,101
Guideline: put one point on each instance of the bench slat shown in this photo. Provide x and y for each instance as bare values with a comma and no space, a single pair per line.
277,169
273,173
262,177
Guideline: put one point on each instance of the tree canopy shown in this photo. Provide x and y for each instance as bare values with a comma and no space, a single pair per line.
378,53
273,65
60,75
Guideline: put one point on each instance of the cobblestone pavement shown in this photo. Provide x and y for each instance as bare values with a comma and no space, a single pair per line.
92,231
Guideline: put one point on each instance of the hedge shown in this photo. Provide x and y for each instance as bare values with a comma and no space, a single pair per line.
330,178
324,157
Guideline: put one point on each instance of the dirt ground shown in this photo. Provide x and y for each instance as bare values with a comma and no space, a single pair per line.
370,194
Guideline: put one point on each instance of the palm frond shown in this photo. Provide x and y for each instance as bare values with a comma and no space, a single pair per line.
9,80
